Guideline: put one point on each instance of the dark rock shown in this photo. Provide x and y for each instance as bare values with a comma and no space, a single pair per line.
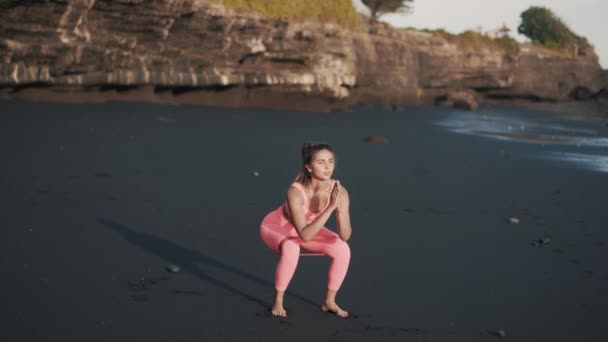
459,99
581,94
601,99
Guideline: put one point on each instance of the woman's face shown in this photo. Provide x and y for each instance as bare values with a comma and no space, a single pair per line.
322,165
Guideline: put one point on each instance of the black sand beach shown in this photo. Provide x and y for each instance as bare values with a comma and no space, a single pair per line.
98,199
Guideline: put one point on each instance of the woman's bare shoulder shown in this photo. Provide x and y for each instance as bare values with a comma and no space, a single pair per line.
293,192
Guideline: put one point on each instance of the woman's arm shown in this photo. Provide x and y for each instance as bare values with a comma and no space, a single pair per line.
343,216
308,231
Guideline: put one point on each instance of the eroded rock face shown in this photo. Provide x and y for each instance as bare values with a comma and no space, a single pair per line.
543,75
171,44
423,67
192,46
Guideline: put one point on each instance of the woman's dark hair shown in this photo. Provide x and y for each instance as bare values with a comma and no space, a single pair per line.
308,151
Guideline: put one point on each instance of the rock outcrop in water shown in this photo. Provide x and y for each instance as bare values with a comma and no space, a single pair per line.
196,51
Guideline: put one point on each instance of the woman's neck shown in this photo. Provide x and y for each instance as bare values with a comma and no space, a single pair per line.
316,185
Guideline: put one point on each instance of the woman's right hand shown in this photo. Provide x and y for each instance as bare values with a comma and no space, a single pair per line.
335,195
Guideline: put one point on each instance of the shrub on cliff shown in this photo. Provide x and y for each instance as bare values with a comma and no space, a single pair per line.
541,25
340,11
477,40
510,45
380,7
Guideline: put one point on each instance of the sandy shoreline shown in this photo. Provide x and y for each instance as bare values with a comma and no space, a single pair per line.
265,98
99,198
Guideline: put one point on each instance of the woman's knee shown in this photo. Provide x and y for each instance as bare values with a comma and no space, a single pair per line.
290,247
340,249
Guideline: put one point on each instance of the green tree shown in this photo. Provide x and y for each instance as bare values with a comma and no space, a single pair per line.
541,25
381,7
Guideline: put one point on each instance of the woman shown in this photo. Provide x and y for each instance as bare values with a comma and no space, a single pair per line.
299,222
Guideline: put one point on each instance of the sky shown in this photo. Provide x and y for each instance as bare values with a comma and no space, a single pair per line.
587,18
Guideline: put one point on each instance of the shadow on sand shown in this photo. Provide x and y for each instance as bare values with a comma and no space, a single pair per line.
188,260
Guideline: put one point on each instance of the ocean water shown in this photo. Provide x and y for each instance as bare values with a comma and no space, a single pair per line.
566,140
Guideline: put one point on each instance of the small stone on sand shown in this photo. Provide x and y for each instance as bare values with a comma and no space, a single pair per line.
498,333
255,173
543,241
173,268
514,220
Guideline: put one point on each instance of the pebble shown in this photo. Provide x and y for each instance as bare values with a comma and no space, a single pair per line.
173,268
255,173
498,333
543,241
514,220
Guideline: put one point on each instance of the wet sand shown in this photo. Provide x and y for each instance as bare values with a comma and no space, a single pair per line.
98,199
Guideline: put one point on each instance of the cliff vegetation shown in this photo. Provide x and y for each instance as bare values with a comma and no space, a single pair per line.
477,40
339,11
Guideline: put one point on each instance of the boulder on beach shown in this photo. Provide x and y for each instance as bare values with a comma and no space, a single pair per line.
460,99
581,94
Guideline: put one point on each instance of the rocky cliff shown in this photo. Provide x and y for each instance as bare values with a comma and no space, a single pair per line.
197,51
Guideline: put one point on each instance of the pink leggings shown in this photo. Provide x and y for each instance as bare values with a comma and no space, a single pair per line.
277,233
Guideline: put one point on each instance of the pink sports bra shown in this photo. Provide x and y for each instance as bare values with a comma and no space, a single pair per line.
307,213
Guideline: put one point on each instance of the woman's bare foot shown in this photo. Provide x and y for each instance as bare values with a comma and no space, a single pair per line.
279,311
277,308
334,308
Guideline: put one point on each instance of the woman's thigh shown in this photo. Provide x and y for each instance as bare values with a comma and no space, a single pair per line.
273,234
323,242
